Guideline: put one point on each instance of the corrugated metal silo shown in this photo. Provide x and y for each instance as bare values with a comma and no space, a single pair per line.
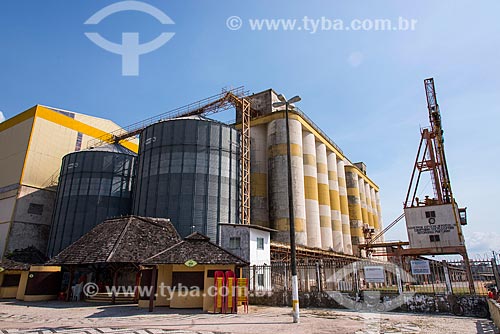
188,172
94,185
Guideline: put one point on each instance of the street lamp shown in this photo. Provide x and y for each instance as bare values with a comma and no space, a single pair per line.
295,286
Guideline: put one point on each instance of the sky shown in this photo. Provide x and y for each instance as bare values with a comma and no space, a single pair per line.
364,88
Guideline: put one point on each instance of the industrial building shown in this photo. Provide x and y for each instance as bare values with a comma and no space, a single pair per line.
189,169
335,201
32,145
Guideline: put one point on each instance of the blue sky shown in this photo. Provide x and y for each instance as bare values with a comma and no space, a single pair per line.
364,88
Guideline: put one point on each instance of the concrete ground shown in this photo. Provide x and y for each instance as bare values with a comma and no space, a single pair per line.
80,317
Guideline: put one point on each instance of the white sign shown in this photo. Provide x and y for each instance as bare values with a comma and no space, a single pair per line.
374,274
433,226
420,267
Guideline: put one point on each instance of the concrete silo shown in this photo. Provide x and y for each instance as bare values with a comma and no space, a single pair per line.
278,192
344,208
311,190
335,205
325,214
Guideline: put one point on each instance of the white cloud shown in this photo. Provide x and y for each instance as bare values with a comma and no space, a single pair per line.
2,117
482,242
355,59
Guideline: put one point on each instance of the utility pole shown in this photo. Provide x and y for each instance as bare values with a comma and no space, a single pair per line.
295,283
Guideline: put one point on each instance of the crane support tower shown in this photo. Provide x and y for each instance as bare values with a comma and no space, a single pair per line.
434,224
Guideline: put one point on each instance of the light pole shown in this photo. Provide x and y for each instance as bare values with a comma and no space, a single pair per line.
293,260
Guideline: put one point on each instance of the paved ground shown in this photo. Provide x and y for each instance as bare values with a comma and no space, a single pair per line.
61,317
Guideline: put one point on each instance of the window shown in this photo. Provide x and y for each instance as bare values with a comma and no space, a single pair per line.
430,214
260,243
260,279
434,238
35,209
211,272
234,242
11,280
79,138
189,279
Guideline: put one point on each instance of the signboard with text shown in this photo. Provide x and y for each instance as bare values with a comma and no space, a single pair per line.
420,267
374,274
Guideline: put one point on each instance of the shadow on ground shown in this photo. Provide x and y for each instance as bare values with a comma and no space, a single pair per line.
486,327
54,304
113,311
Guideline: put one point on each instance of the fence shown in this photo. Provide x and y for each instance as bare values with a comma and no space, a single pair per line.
344,275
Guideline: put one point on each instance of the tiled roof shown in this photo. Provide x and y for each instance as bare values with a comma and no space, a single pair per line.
14,265
129,239
22,259
195,247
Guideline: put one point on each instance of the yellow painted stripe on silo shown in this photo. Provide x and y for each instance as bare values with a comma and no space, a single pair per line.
309,159
355,212
356,232
310,188
280,149
258,184
353,192
364,208
322,168
325,221
283,224
364,215
344,205
332,175
346,229
342,182
337,225
323,194
375,221
334,200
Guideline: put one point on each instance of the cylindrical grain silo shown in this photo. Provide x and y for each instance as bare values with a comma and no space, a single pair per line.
94,185
344,208
325,215
362,197
188,171
311,190
258,176
368,198
379,213
278,190
375,211
355,212
337,238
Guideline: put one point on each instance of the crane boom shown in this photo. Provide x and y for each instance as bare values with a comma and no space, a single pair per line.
443,190
431,155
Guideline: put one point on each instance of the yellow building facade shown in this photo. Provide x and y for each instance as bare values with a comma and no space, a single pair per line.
32,145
